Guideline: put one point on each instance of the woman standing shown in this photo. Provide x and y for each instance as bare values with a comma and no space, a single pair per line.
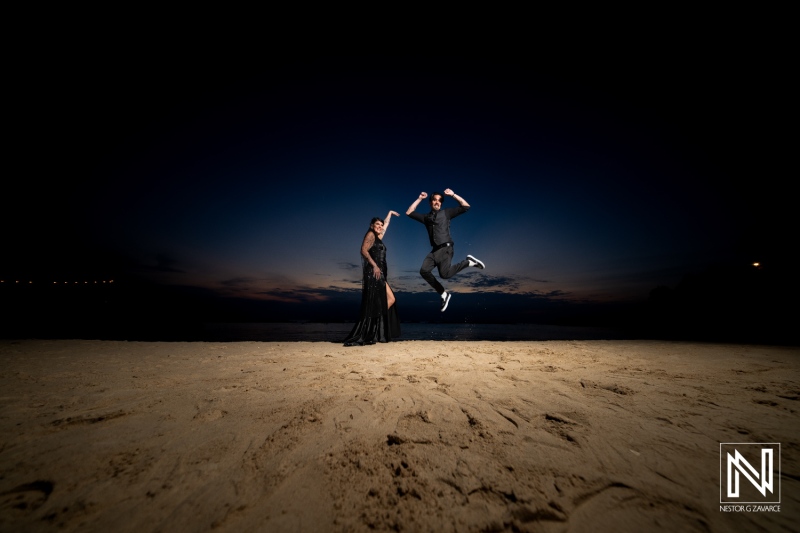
379,321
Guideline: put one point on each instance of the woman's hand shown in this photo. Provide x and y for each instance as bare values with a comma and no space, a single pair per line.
376,271
394,213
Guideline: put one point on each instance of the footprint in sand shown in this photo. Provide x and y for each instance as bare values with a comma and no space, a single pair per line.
25,498
211,415
561,426
605,509
85,419
346,418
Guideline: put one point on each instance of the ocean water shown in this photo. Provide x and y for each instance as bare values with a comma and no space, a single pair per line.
336,332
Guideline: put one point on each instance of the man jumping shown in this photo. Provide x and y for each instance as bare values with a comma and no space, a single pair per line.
437,222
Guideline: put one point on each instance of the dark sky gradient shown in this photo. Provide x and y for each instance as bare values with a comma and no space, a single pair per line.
593,178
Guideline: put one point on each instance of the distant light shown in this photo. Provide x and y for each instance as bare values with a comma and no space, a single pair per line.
756,264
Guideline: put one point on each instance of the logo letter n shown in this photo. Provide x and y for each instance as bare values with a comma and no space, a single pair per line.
737,464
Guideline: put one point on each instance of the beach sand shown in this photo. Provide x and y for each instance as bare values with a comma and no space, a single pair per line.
411,436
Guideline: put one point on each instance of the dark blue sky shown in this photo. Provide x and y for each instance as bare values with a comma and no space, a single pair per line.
592,178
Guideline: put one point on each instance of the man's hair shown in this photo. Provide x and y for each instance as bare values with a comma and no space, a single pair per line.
430,199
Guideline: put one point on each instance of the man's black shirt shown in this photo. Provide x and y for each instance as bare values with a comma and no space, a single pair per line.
438,223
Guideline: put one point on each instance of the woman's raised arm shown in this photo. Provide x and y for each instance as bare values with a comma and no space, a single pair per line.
386,221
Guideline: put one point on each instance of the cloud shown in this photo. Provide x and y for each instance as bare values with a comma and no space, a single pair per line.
305,295
474,282
164,263
478,280
549,294
290,296
237,281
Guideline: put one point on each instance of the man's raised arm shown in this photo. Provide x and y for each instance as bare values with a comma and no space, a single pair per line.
457,198
413,206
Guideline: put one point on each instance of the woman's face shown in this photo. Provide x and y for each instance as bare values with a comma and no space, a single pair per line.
377,226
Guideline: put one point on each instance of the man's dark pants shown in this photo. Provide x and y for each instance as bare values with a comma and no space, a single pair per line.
441,259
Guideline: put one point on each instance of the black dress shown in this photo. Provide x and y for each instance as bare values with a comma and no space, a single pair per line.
377,323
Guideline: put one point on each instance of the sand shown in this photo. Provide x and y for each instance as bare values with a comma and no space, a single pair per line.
411,436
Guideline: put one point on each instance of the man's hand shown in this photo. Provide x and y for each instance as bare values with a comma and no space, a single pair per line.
449,192
413,206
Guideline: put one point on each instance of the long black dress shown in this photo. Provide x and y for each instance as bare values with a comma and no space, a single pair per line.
377,322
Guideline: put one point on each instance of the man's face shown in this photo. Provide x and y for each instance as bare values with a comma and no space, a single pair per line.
436,202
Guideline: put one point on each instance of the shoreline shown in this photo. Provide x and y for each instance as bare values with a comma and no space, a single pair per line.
334,332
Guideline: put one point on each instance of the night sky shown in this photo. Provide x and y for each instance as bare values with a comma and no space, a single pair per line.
593,178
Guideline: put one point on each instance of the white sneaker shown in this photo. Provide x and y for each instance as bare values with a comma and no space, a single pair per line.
445,300
475,262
